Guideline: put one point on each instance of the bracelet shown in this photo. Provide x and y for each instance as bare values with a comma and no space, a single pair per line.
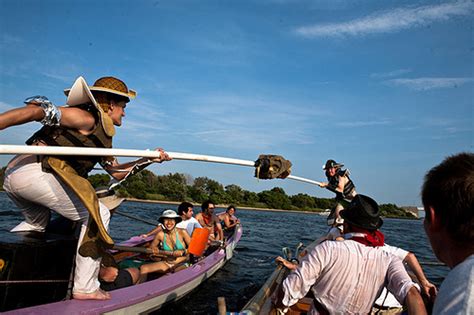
52,115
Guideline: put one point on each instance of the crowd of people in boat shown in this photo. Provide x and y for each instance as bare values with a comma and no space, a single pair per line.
351,270
169,249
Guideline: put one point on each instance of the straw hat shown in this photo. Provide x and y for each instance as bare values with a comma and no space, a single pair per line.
81,93
170,214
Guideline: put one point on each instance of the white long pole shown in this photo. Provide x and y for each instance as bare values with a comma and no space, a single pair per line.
51,150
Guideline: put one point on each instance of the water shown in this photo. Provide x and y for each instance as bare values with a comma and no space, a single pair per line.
265,233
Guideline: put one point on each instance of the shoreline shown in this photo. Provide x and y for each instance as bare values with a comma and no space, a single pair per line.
320,213
225,206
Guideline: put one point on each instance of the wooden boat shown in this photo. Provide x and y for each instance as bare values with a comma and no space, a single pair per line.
261,303
141,298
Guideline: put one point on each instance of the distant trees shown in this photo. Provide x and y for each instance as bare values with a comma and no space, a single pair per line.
182,187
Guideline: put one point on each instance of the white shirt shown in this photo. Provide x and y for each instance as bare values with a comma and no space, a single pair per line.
346,277
386,298
456,294
189,225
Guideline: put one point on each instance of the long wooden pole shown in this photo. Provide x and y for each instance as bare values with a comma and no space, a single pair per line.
51,150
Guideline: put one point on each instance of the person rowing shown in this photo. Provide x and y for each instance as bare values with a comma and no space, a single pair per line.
38,183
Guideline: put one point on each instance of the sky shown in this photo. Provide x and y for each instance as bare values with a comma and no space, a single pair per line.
384,87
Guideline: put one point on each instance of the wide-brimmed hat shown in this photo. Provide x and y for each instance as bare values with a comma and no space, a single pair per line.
81,93
332,163
363,212
170,214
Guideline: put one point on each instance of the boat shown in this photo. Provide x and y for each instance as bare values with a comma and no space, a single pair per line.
261,303
140,298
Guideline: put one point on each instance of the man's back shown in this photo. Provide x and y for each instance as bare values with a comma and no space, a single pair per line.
346,277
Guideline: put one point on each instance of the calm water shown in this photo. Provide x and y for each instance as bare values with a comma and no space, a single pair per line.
265,233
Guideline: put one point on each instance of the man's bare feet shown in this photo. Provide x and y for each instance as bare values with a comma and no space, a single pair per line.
96,295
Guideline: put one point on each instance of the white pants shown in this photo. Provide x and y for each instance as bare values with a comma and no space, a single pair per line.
36,193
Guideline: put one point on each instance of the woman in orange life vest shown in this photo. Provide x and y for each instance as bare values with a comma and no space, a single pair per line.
210,221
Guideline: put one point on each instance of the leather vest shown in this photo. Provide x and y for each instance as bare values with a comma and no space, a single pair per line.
334,182
59,136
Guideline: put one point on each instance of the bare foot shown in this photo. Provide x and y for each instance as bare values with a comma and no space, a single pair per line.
96,295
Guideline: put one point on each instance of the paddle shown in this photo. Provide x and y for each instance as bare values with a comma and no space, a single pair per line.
143,250
51,150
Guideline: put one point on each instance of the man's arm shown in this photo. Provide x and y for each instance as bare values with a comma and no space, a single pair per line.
414,302
428,288
71,117
121,171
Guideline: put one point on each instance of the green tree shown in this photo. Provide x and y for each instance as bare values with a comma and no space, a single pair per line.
172,186
99,180
275,198
303,201
235,194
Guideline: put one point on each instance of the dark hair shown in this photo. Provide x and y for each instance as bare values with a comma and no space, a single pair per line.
183,207
231,207
449,189
206,204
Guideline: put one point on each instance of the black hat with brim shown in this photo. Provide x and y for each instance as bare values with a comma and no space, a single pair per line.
363,212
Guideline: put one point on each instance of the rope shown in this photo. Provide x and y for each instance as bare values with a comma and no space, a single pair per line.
136,218
33,281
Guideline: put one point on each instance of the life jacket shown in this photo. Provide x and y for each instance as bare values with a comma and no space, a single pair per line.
60,136
333,182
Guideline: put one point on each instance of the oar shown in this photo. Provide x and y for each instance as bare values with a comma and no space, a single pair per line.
51,150
142,250
135,218
432,263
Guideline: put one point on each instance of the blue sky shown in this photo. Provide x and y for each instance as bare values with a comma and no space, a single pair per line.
386,87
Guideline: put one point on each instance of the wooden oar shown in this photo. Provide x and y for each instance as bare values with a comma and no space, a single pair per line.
143,250
51,150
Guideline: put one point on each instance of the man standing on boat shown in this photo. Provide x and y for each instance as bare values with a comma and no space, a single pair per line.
339,183
347,276
448,199
38,184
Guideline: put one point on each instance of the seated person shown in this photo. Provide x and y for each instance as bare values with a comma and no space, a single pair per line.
210,221
157,229
112,278
229,218
189,223
171,241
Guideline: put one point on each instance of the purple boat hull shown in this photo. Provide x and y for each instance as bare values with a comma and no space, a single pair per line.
148,296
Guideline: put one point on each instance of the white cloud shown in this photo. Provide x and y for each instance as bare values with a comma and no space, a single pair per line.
423,84
391,74
352,124
389,21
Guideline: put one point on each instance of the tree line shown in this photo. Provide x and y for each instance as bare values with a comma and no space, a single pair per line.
182,187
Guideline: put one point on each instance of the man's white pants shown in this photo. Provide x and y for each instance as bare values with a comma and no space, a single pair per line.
36,193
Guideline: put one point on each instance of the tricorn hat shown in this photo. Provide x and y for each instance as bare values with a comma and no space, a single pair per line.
170,214
363,212
332,163
81,93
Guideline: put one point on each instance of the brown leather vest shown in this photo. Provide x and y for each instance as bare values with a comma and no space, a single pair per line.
59,136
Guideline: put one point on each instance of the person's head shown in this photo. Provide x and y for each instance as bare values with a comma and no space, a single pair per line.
208,207
112,95
448,199
231,210
331,167
362,213
185,209
169,219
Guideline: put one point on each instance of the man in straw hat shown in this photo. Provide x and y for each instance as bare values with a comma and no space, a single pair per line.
347,276
38,184
448,199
